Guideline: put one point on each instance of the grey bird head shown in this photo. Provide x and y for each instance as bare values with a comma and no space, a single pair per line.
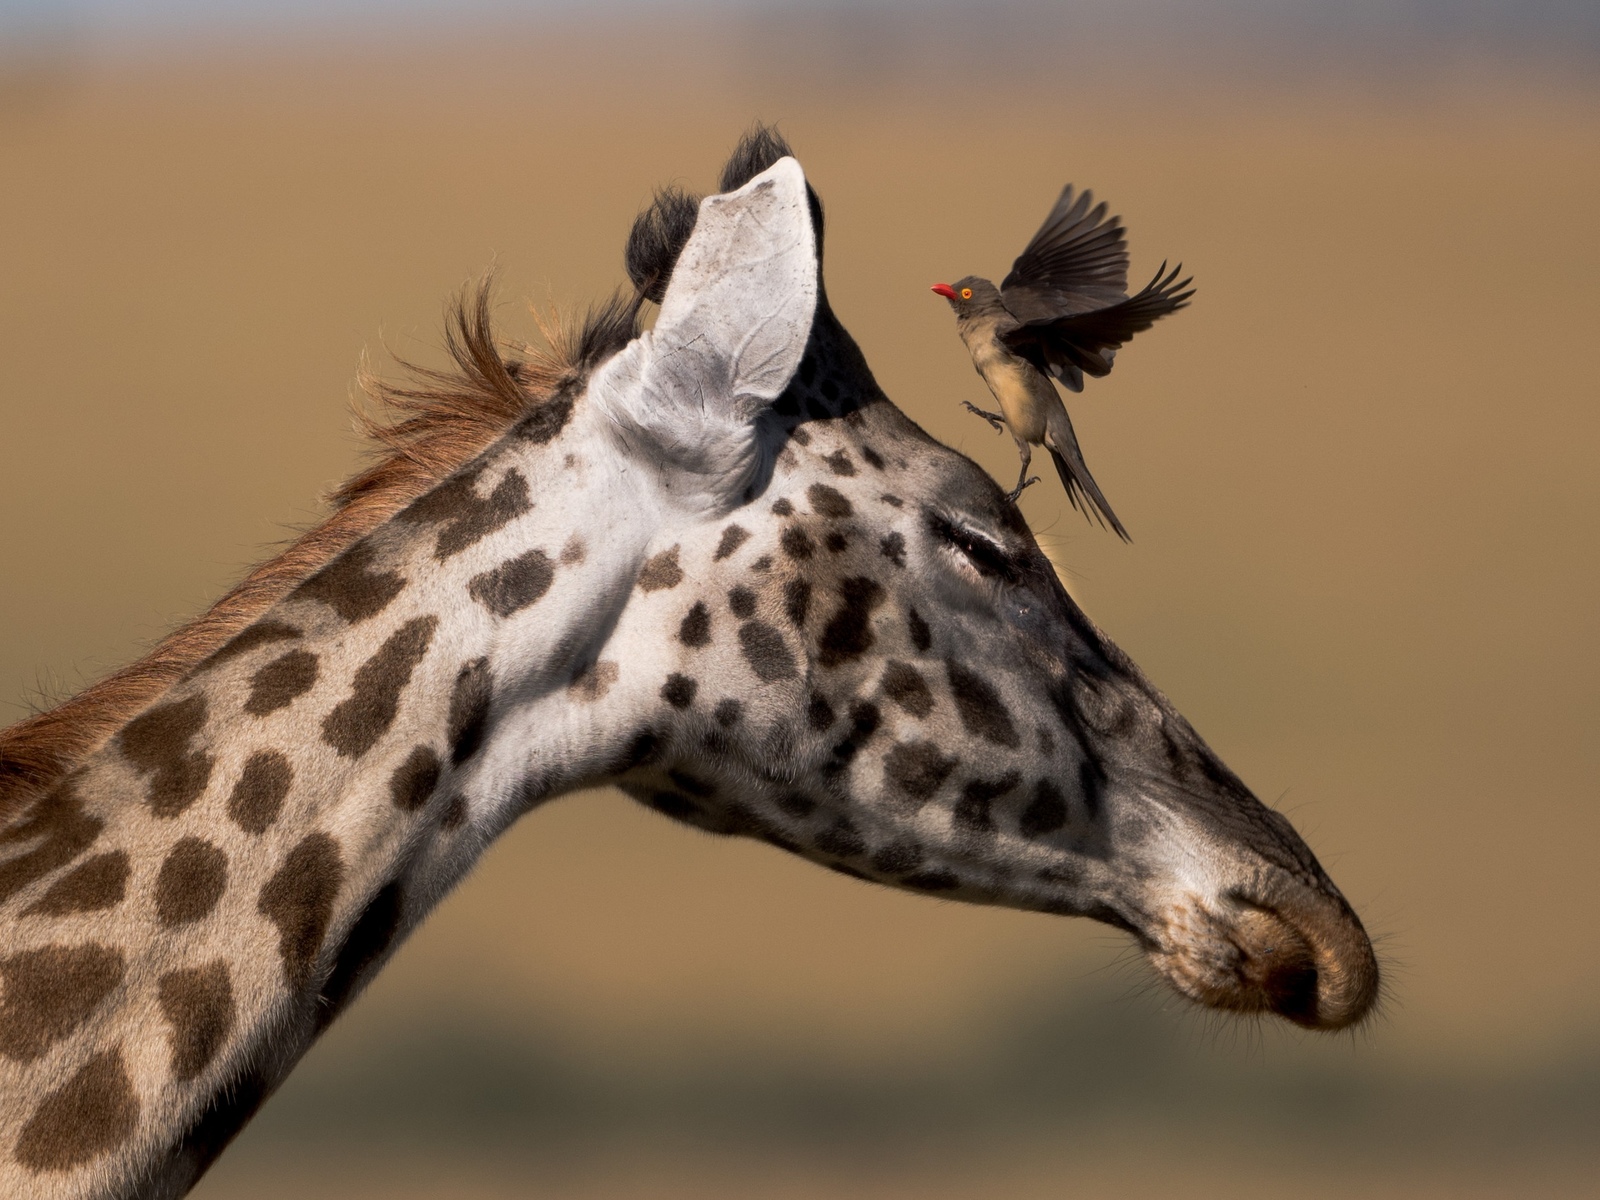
972,297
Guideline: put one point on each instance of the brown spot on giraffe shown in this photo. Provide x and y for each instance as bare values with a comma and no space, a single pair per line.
819,713
767,653
901,858
350,586
661,572
839,463
93,1112
61,830
263,786
921,635
355,724
594,681
157,743
679,690
514,584
893,547
467,518
904,685
848,633
198,1004
695,629
573,552
982,711
469,710
299,898
797,544
828,502
796,805
190,882
415,779
797,601
1046,813
455,812
972,810
96,883
546,420
280,682
692,784
842,838
262,633
916,770
733,537
50,991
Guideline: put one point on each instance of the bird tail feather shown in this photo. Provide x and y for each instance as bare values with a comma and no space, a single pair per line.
1080,486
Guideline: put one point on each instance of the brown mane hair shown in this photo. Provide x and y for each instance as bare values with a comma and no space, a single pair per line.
423,431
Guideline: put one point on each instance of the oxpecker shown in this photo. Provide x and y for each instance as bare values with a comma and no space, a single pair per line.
1062,313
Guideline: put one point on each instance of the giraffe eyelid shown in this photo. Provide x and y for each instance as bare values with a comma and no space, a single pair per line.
981,552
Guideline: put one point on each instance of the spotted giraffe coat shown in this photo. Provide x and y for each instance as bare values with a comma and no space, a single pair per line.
722,572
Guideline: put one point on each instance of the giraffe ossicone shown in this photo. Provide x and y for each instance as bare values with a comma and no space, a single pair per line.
711,564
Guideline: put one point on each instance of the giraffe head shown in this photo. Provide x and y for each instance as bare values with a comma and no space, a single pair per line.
843,640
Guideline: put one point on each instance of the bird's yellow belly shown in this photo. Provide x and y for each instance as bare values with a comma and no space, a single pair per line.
1012,388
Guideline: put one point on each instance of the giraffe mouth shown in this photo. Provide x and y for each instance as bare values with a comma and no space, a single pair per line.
1289,950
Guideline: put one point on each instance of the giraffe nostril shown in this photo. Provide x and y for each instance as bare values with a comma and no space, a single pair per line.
1304,957
1277,967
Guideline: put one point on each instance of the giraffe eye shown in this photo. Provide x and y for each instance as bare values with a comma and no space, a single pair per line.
985,556
966,293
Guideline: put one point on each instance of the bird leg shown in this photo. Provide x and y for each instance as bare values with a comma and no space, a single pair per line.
1025,452
995,419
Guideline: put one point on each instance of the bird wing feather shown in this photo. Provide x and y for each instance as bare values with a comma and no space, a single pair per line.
1069,347
1078,261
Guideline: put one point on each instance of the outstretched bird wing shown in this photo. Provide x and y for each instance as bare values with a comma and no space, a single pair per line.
1081,488
1077,262
1072,345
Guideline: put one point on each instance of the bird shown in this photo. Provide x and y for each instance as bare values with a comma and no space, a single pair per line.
1062,313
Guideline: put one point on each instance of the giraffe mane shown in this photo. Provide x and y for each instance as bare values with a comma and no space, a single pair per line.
422,430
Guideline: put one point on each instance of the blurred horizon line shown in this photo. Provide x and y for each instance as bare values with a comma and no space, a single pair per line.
1085,1059
873,35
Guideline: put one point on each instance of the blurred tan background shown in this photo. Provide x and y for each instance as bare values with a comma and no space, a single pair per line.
1360,473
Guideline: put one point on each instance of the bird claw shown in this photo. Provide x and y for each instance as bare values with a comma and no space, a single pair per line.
995,419
1012,495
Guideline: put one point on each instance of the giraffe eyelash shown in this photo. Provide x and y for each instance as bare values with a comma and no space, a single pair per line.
979,551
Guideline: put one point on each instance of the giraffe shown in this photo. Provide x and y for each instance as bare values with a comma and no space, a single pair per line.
709,563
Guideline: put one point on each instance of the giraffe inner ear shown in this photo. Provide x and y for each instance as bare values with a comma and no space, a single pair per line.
743,293
733,327
734,321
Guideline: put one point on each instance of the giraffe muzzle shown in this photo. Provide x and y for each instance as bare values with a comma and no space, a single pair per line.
1305,954
1285,949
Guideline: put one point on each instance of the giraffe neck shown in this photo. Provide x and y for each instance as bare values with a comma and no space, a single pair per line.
185,914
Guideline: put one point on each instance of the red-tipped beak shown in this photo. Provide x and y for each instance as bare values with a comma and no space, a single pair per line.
945,290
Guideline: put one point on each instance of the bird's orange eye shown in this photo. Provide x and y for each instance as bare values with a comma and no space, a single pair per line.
966,293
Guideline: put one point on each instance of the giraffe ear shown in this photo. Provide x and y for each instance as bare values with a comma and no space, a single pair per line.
744,290
731,332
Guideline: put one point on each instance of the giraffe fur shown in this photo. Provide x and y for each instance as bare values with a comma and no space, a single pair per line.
720,570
